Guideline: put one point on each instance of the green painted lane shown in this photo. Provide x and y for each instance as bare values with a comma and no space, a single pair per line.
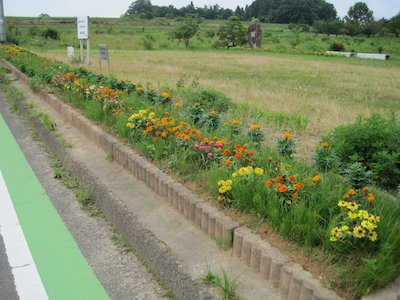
63,270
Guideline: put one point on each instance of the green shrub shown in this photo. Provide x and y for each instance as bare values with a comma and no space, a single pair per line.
51,33
209,98
336,46
374,142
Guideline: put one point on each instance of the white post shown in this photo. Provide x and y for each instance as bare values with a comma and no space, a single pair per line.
82,58
2,23
88,50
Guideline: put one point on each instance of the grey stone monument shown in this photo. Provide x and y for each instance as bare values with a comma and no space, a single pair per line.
254,34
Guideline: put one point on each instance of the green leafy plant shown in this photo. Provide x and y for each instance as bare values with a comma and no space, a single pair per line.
285,145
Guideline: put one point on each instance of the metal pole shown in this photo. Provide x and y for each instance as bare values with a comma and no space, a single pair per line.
2,24
82,58
88,51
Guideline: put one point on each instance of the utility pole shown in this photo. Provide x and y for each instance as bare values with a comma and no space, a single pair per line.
2,24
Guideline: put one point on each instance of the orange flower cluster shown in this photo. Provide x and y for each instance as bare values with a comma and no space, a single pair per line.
239,154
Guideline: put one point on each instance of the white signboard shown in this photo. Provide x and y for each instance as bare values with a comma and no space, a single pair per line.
103,52
70,52
83,28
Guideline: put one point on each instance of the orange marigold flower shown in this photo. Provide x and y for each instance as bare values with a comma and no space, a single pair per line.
278,178
287,136
228,162
235,122
269,183
294,196
292,178
140,89
237,146
199,137
194,131
316,178
227,151
352,192
164,134
165,95
213,113
187,131
282,188
244,148
178,104
325,145
238,155
186,138
206,140
371,198
255,127
298,186
251,153
366,190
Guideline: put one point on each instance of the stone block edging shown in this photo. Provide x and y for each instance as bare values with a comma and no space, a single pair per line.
290,279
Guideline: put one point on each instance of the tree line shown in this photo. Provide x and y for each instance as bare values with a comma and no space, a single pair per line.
320,14
274,11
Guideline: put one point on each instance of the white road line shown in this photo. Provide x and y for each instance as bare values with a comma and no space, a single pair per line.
28,284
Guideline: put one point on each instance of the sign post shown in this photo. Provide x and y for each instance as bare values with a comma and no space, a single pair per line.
2,24
83,34
103,55
70,53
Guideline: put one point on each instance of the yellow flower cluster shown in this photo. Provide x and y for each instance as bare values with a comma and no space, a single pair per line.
359,223
248,171
224,186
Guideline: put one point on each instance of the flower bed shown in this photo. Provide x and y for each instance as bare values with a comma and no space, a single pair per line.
201,138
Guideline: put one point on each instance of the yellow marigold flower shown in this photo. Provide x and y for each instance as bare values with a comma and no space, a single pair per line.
197,104
372,236
255,127
342,203
336,232
130,125
221,182
152,89
151,115
359,232
352,206
316,178
368,225
325,145
221,198
142,112
234,174
287,136
363,214
259,171
346,196
352,215
345,228
222,190
332,239
213,113
178,104
229,182
235,122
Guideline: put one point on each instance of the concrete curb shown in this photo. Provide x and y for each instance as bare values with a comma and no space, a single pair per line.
290,280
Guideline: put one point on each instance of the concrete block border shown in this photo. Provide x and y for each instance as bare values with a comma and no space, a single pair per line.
289,279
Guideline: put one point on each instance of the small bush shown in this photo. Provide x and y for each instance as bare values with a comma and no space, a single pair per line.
336,46
374,142
51,33
209,98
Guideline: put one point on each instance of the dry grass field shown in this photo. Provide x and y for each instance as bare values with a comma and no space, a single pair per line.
326,92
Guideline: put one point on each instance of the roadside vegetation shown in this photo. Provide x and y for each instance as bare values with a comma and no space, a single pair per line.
345,206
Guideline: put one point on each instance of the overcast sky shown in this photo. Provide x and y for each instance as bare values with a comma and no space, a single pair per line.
107,8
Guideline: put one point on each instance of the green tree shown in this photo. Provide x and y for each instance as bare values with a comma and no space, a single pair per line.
359,18
139,7
394,25
232,33
189,27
